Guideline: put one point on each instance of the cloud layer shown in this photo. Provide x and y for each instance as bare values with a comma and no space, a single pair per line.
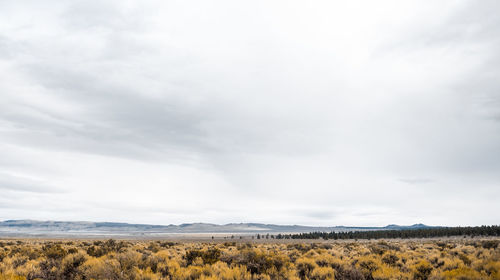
283,112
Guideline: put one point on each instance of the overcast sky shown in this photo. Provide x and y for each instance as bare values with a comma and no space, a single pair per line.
287,112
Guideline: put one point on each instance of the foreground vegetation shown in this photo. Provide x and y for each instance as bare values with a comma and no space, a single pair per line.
396,259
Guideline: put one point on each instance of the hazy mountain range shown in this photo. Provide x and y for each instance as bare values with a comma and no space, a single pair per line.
65,228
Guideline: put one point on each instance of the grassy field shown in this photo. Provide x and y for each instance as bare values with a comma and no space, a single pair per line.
158,259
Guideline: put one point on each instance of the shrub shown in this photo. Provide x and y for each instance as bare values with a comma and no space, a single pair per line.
322,273
490,244
422,270
209,256
54,251
70,265
390,259
305,266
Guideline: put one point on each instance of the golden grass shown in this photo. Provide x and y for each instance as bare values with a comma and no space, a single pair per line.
83,259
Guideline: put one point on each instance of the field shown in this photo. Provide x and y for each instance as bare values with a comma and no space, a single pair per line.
460,258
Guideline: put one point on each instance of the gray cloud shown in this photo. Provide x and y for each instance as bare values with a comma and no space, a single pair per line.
341,111
20,184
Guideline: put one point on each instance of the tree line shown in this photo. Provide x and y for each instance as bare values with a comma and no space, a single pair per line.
404,233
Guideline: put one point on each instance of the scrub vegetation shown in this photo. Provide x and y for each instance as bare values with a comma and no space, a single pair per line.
462,258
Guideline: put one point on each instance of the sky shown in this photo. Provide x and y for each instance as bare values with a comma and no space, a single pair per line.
362,113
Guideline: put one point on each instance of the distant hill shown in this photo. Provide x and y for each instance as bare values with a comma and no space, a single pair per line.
64,228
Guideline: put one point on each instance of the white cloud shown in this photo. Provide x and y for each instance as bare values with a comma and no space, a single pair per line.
286,112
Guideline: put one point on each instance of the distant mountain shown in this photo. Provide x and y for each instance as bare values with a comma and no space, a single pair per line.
62,228
398,227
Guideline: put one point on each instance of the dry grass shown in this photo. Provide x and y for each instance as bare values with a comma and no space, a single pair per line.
140,259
